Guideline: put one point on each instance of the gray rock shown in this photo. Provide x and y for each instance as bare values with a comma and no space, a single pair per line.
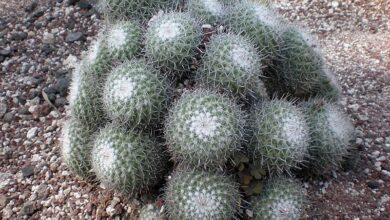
3,201
32,133
74,36
27,209
373,184
18,36
62,86
48,38
9,117
60,102
5,52
31,7
3,109
28,171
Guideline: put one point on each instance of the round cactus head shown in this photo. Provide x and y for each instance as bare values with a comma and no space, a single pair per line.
282,198
331,135
135,93
127,161
84,98
141,10
256,22
209,11
76,147
232,63
171,41
195,195
96,58
123,40
151,212
204,128
280,136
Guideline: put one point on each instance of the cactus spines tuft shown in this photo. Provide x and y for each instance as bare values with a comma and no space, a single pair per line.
331,135
256,22
282,198
123,40
171,41
76,147
84,97
280,136
209,11
195,195
134,93
127,161
232,63
204,128
151,212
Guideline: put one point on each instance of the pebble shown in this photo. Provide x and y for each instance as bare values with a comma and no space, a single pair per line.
74,36
8,117
32,133
28,171
373,184
3,109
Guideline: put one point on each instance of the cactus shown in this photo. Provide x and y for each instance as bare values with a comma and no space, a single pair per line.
209,11
301,67
193,195
123,40
232,64
282,198
134,93
171,41
76,148
127,161
151,212
136,9
97,58
258,23
331,135
280,136
84,98
204,129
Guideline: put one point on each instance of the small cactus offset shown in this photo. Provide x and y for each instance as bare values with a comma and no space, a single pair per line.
151,212
96,58
282,198
204,129
301,69
233,64
258,23
280,137
171,41
84,97
127,161
195,195
135,94
123,40
76,147
208,11
332,134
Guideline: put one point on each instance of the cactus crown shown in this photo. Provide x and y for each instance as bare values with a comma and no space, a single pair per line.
209,11
201,195
204,128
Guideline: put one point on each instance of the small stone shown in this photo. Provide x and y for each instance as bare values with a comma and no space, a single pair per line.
74,36
354,107
9,117
373,184
381,158
5,52
3,109
335,4
28,171
31,7
27,209
48,38
47,49
71,2
375,154
18,36
32,133
83,4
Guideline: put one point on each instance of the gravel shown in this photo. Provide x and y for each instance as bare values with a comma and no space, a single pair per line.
42,38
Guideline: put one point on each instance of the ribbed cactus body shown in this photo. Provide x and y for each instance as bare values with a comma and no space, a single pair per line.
194,195
84,96
127,161
331,135
97,58
204,129
123,40
171,41
136,9
258,23
208,11
282,199
233,64
135,94
76,147
301,67
280,136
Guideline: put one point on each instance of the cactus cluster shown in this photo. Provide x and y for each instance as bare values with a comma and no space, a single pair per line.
213,98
